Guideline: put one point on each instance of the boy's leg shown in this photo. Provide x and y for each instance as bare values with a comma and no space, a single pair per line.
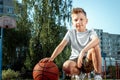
70,67
95,55
99,58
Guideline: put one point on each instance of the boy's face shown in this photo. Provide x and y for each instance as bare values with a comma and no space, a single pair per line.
79,21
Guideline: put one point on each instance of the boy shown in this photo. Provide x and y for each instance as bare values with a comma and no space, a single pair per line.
85,50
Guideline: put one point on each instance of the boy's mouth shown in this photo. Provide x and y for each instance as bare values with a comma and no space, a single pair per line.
78,26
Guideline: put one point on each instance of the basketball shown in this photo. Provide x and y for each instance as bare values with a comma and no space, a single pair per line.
46,71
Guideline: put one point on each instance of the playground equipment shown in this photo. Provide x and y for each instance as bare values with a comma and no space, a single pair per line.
5,22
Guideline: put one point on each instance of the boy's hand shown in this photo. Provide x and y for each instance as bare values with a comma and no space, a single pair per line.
80,58
46,60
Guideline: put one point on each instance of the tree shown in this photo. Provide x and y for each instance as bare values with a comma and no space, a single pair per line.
16,41
49,18
41,24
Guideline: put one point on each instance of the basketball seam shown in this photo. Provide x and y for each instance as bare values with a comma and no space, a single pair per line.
47,67
42,78
45,71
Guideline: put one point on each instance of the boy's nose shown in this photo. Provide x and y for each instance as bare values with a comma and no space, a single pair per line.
78,22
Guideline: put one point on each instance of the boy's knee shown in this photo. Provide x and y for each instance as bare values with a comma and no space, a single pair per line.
97,48
92,50
65,65
68,67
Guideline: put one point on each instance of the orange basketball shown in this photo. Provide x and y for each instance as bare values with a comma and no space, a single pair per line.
46,71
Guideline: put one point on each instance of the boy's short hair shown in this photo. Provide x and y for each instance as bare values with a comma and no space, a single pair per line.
78,10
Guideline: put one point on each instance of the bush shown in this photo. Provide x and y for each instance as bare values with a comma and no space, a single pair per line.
9,74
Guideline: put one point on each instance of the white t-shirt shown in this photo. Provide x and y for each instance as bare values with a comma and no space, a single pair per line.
78,40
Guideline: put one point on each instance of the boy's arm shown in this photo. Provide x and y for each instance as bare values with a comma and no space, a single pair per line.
58,49
91,44
95,41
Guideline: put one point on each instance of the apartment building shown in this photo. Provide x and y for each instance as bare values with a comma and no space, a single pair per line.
115,45
110,43
6,7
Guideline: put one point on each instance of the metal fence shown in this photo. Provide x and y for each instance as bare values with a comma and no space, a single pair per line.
111,71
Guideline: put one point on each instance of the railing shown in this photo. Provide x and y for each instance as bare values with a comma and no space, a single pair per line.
111,71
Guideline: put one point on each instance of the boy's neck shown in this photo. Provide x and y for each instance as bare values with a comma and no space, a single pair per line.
82,30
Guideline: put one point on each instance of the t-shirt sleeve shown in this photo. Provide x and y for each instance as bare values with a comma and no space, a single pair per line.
67,36
92,34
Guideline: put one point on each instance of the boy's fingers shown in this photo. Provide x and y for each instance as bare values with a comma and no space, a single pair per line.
44,60
79,64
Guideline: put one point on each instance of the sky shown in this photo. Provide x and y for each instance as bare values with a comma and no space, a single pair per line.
102,14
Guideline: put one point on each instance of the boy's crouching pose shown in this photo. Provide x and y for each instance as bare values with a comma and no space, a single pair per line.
85,51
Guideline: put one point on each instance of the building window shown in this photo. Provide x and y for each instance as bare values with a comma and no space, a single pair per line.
1,10
1,2
118,53
0,32
8,0
10,10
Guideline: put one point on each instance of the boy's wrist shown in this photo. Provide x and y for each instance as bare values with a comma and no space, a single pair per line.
51,59
83,51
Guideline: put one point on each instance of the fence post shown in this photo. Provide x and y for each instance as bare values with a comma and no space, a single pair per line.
117,70
1,37
105,67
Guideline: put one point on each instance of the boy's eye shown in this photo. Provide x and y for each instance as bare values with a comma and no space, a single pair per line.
81,19
76,19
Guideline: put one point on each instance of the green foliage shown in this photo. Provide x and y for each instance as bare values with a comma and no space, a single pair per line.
63,57
36,52
41,25
17,38
10,74
8,46
49,27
